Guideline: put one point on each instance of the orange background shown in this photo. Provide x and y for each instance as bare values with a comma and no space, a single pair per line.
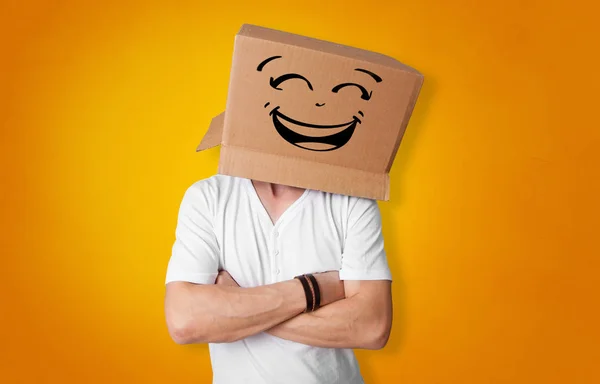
492,230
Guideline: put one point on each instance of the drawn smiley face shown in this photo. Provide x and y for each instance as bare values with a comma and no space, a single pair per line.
310,136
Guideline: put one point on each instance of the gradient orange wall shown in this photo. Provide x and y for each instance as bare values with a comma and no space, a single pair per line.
492,230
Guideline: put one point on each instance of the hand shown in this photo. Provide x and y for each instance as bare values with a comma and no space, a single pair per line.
224,278
331,287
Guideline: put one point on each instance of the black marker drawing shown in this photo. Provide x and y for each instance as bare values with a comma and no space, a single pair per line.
285,125
288,76
366,95
377,78
336,140
264,62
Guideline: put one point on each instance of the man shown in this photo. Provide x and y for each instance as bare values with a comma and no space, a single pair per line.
231,281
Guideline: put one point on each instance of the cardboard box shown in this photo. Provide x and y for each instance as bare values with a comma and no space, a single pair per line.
312,114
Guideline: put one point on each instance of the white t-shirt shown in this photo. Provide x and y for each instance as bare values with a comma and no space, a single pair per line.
223,225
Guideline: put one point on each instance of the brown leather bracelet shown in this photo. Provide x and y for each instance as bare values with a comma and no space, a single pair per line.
307,292
316,291
312,292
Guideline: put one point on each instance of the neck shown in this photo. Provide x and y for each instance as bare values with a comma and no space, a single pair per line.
276,198
275,189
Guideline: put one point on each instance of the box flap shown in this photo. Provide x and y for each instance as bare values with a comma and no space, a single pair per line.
416,89
302,173
214,134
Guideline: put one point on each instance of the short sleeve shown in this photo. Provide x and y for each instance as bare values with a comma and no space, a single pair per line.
363,256
195,253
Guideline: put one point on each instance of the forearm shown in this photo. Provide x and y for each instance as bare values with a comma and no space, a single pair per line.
218,313
355,322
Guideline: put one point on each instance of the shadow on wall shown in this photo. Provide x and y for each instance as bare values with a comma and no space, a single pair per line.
393,238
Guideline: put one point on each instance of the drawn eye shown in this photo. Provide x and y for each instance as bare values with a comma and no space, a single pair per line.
364,94
288,76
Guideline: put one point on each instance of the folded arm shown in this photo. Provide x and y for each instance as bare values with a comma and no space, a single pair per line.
362,320
199,311
206,313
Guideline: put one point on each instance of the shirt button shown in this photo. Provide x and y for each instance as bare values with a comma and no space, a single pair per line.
276,252
277,271
275,233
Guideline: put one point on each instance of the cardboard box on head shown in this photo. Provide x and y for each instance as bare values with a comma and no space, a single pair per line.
312,114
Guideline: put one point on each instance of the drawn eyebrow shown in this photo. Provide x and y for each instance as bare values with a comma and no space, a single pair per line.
377,78
264,62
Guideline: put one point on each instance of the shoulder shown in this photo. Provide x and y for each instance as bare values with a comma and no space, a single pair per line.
348,206
350,202
208,185
362,204
213,186
208,193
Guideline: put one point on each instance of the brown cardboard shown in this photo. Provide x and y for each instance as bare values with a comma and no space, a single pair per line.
313,114
213,136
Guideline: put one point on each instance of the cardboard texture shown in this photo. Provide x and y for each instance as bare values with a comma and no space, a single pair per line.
312,114
213,136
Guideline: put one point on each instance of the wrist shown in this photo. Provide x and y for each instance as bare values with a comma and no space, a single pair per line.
299,297
312,292
332,288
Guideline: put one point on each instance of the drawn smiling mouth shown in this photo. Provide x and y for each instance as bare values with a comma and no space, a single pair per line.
313,137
